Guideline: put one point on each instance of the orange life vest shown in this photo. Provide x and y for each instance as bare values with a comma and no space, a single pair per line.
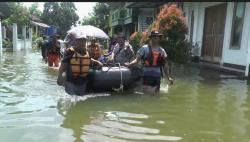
95,51
79,64
153,59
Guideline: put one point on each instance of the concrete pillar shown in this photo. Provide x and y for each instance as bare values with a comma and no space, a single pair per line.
14,37
30,37
24,36
30,34
1,40
4,32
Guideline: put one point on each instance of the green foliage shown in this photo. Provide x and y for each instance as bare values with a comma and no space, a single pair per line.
5,9
7,43
178,51
135,40
33,10
60,14
19,14
89,20
172,24
99,17
36,40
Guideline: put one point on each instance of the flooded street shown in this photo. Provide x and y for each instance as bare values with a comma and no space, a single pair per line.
199,107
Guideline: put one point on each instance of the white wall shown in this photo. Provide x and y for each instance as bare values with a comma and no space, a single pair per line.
238,57
247,41
21,44
231,56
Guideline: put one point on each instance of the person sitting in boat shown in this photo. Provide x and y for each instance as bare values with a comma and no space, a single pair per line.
112,44
154,59
53,51
76,63
123,51
94,49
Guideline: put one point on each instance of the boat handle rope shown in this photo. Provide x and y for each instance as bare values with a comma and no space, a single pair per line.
121,85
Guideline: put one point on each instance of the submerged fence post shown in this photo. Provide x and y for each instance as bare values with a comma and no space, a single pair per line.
30,37
24,36
1,39
14,37
4,32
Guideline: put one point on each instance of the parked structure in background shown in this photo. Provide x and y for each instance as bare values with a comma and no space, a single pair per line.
221,31
128,17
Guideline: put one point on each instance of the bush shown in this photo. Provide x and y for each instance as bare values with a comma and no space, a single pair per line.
172,24
7,43
135,40
36,40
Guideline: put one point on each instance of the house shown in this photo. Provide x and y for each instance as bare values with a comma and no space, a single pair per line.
128,17
221,32
120,19
38,27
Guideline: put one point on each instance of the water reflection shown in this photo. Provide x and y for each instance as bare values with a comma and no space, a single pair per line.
90,124
202,105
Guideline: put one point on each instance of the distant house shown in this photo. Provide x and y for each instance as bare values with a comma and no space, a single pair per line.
38,27
221,31
128,17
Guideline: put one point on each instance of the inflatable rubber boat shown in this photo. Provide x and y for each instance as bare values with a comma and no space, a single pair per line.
115,77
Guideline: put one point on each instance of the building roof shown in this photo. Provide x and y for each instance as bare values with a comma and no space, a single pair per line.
35,18
40,24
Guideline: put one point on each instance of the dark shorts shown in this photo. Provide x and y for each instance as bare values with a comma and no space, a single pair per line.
74,89
152,81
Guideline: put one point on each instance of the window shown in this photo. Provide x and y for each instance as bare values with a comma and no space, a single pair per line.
237,25
126,13
116,15
122,13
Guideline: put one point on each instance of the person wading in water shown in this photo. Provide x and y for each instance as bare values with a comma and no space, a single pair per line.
154,61
76,63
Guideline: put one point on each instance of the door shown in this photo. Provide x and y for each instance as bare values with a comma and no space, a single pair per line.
213,35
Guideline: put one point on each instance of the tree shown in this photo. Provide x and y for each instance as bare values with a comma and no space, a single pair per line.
18,14
63,15
89,21
4,10
33,10
99,16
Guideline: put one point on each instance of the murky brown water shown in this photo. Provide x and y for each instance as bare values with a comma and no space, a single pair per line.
200,107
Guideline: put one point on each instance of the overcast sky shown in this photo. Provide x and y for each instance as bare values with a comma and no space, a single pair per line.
83,8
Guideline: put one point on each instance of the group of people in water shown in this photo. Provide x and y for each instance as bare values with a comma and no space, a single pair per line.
77,60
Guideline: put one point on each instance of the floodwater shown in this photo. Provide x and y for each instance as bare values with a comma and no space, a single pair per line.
199,107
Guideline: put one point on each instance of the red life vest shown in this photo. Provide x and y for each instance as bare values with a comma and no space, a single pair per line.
153,59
